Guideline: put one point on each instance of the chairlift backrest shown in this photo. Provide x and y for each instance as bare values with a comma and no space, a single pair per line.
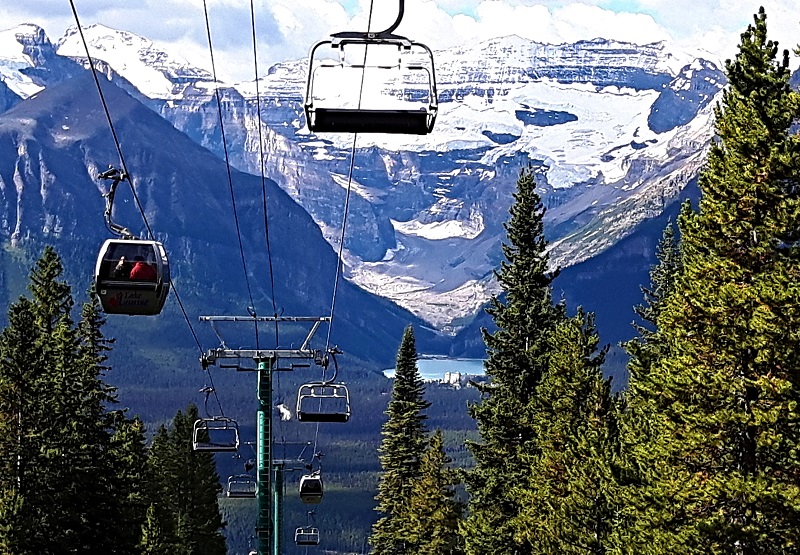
132,276
323,402
241,486
216,434
371,84
311,489
306,535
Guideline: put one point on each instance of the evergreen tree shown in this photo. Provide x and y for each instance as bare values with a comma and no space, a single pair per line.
568,498
647,511
128,457
401,450
517,360
184,490
434,512
21,410
725,438
154,541
57,475
662,281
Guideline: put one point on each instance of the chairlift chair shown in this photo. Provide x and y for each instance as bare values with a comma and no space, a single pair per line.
132,276
323,402
241,486
306,535
380,83
216,434
311,489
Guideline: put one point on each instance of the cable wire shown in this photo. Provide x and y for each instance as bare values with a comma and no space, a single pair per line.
228,168
124,166
266,212
263,178
339,261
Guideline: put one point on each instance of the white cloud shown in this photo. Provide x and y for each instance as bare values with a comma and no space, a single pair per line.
288,28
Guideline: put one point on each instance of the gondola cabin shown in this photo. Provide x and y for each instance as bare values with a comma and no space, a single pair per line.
311,488
132,277
306,535
360,83
241,486
216,434
323,402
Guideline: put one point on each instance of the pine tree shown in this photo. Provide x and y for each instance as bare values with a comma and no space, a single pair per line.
726,435
568,498
517,360
434,512
401,450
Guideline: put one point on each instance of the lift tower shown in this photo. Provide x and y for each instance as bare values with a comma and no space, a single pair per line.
269,475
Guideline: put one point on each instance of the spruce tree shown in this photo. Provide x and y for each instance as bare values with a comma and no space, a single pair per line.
517,360
646,511
22,408
153,539
58,479
434,511
128,457
726,434
568,499
402,447
184,488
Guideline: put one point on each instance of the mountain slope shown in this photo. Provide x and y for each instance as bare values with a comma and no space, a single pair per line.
617,130
53,144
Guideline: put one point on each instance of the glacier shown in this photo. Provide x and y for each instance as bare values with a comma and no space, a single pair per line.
614,131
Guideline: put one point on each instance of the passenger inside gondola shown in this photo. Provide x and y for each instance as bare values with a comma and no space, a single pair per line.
142,271
123,269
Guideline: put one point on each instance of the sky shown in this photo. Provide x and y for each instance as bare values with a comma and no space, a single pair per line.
286,29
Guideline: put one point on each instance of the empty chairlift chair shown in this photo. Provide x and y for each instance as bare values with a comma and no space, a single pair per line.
367,83
216,434
241,486
132,276
311,489
306,535
323,402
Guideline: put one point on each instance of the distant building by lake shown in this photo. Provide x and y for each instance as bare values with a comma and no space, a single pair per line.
450,371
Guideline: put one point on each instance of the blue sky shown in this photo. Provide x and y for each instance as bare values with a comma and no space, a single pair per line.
288,28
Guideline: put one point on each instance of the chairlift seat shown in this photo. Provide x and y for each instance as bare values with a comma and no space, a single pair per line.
242,486
323,402
311,489
117,291
306,535
405,103
218,434
343,120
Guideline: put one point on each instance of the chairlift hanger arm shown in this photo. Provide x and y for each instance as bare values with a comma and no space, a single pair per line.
116,176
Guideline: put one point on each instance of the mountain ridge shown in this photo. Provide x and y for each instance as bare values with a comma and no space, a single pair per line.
51,149
618,130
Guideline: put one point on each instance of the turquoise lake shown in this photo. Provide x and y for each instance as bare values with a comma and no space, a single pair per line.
435,368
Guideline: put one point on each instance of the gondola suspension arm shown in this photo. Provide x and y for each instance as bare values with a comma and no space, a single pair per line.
116,176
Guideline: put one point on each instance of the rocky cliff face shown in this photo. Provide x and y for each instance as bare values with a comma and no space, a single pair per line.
616,129
53,145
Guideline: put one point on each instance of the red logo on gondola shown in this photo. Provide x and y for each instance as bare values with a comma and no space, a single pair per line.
115,300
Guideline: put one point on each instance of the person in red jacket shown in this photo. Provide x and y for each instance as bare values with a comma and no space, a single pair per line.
142,271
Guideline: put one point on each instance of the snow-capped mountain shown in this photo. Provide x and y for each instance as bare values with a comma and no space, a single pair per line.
615,131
